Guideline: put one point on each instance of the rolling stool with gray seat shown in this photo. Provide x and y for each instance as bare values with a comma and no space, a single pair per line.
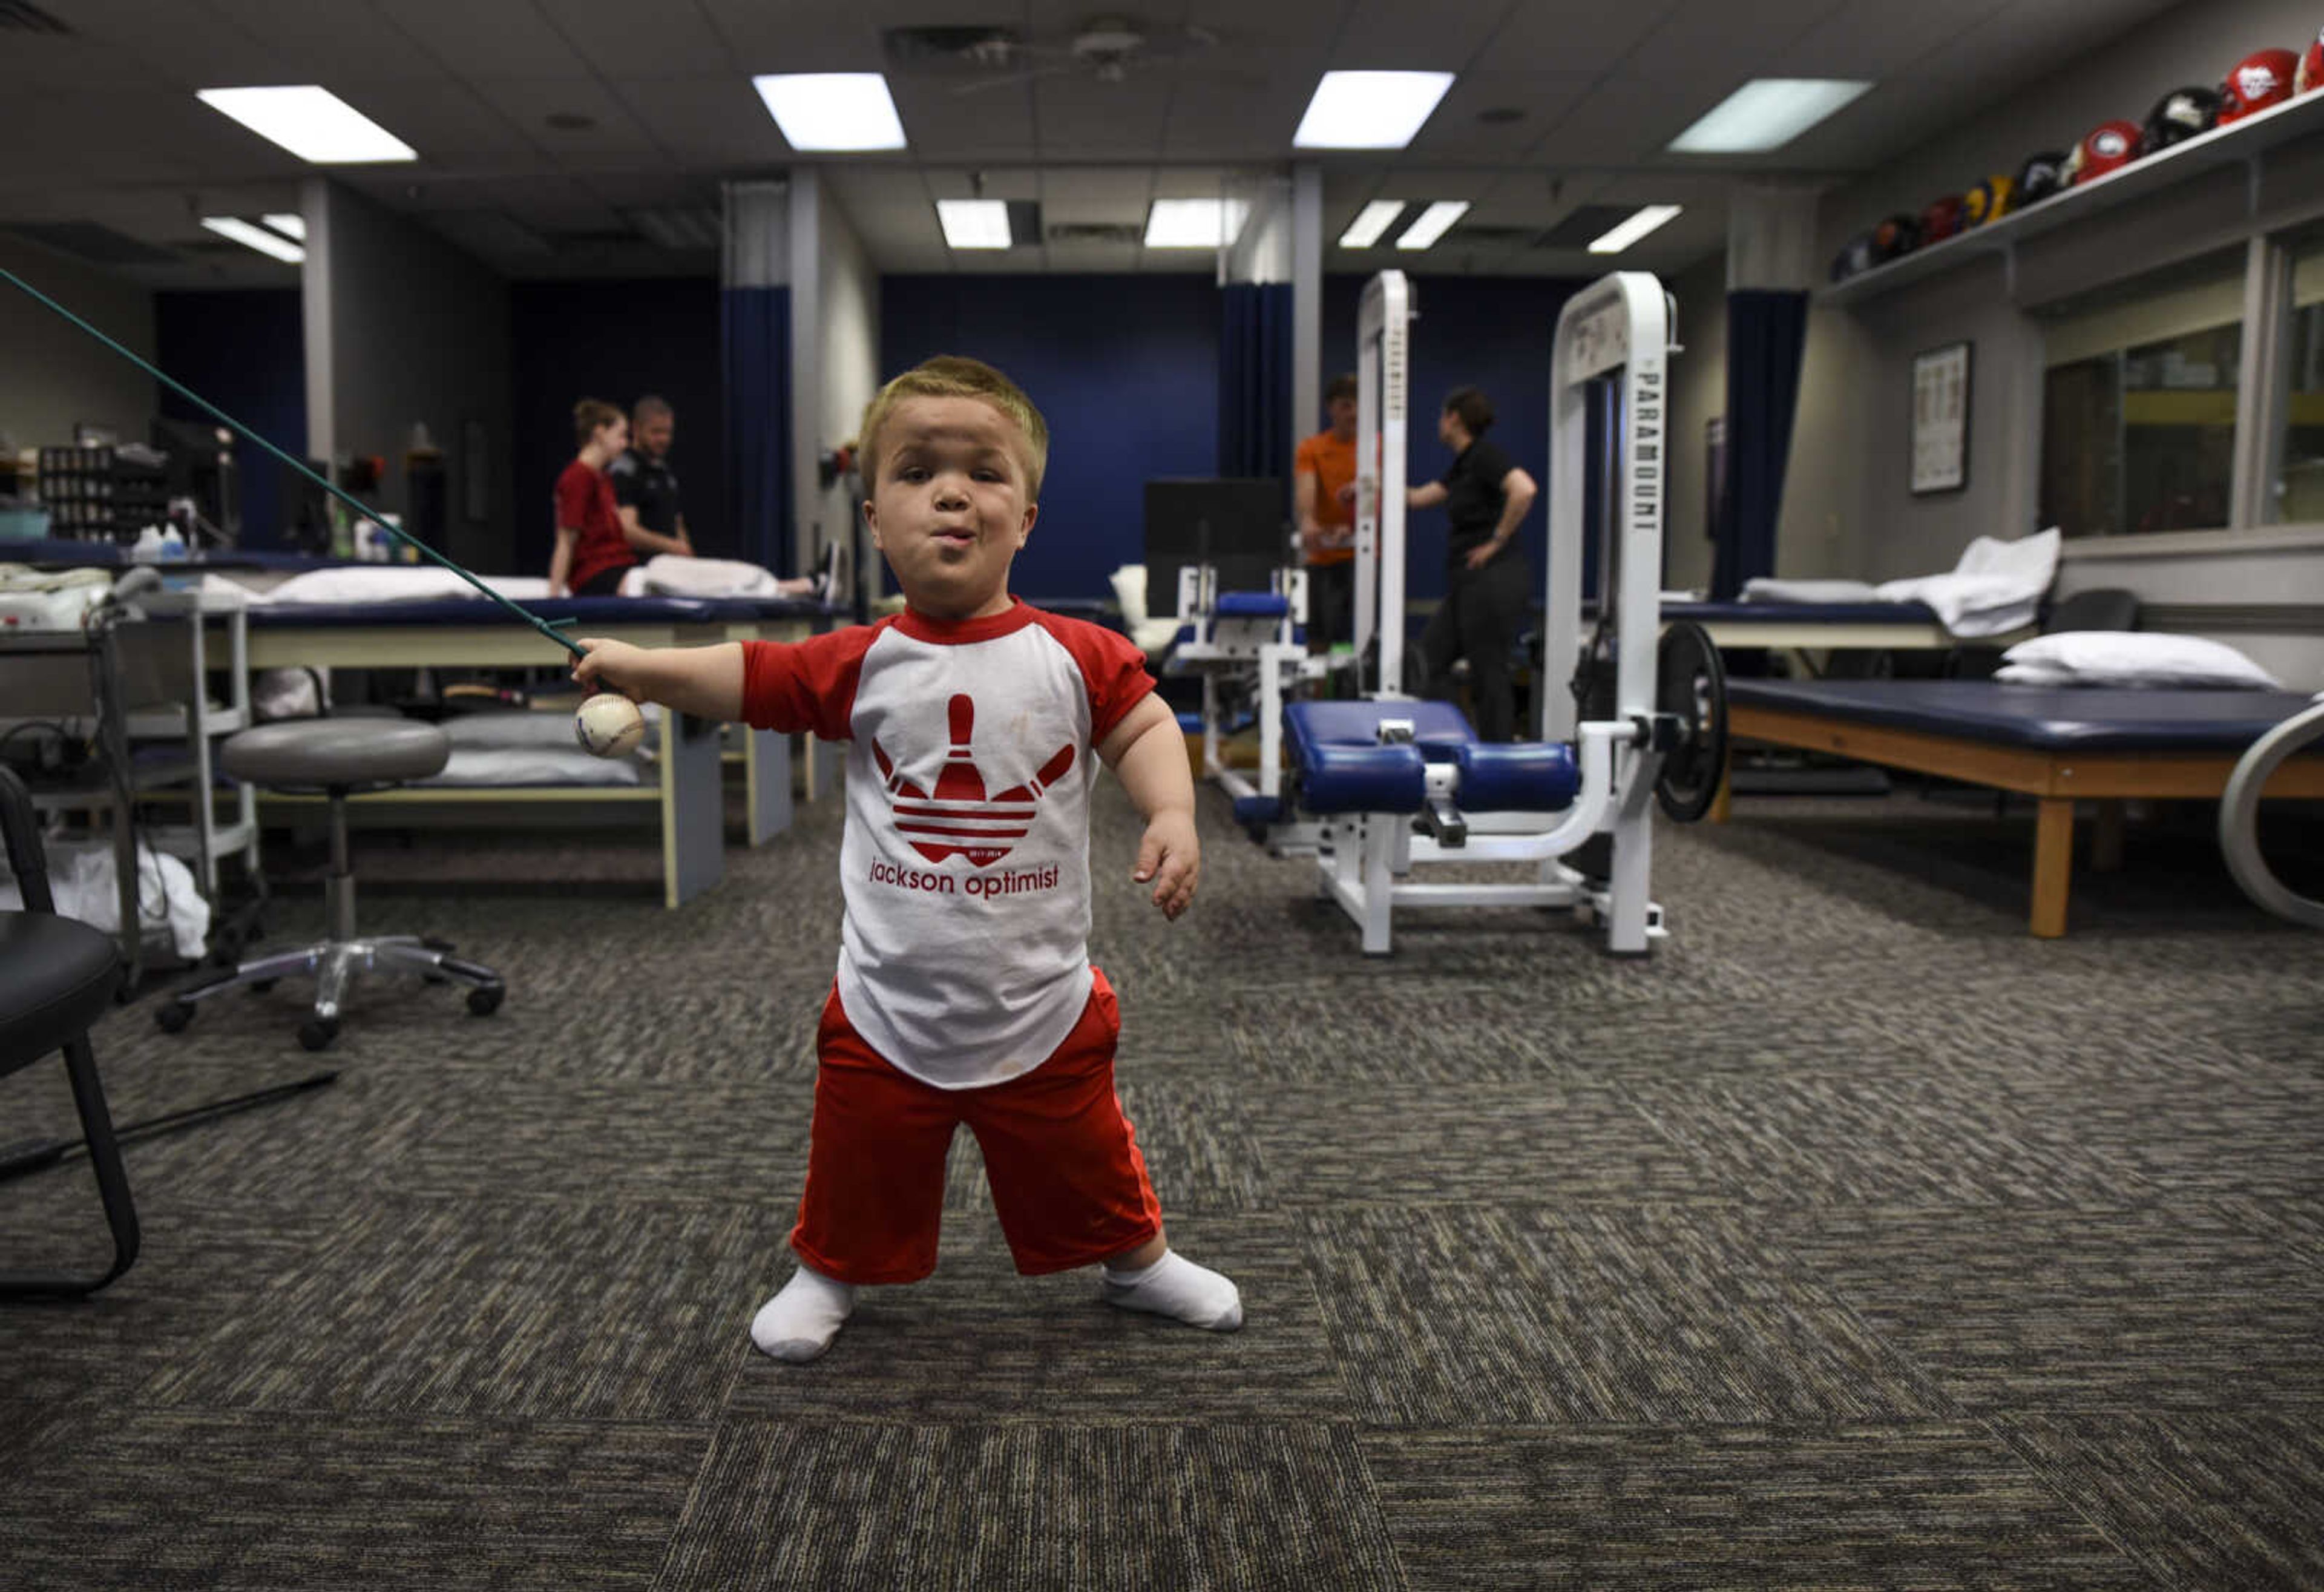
338,757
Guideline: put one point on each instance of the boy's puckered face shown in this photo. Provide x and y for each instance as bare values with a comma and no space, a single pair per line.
948,506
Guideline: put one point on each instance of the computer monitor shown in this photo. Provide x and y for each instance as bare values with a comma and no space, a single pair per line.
1238,526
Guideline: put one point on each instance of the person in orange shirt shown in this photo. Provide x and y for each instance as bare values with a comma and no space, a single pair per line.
1324,474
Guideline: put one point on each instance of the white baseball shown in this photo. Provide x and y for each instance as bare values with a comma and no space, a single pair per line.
609,724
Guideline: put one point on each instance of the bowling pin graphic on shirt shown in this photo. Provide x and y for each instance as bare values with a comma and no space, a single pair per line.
958,817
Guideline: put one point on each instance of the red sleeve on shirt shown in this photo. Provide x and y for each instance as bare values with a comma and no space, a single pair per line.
807,686
576,492
1113,667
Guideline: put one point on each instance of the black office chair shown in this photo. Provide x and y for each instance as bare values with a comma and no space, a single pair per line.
61,976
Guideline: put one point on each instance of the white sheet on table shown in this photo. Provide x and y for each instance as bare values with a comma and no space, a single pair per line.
535,765
373,583
1767,588
1997,587
517,730
673,575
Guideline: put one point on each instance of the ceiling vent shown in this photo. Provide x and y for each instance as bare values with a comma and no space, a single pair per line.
963,48
1104,232
1512,236
20,16
99,245
1586,226
684,228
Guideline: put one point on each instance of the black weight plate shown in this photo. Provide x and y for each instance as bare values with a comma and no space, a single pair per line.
1691,683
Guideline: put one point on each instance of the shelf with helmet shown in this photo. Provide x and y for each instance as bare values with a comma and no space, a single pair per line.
2271,97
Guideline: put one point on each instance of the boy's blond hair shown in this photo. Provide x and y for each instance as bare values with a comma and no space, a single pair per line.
951,376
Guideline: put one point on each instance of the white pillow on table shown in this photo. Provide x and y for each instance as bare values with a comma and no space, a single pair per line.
2133,658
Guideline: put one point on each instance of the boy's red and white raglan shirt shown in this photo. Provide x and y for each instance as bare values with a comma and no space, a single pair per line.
964,957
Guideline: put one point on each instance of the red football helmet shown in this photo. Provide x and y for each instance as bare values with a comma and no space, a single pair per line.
1942,219
2260,80
2108,147
2311,74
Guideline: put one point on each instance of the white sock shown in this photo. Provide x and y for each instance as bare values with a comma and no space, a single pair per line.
1176,1287
800,1322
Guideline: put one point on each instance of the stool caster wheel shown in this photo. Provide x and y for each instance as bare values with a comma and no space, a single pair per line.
261,985
485,999
318,1032
174,1016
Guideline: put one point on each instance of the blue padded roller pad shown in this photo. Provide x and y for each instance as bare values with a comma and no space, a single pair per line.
1344,768
2047,717
1523,776
1253,605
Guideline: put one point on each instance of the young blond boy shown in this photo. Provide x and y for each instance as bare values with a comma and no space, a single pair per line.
964,990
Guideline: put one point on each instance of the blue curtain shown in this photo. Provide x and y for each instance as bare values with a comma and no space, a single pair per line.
757,330
1766,331
1255,381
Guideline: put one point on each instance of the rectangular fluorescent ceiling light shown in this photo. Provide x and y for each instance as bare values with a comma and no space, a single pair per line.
1618,238
1767,113
1194,223
974,224
832,110
1369,110
313,124
1432,224
256,237
1373,220
287,225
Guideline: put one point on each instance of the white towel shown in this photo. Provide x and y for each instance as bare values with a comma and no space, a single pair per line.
1764,588
675,575
1997,587
373,583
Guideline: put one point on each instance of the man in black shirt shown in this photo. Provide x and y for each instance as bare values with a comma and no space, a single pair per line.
645,493
1486,580
645,488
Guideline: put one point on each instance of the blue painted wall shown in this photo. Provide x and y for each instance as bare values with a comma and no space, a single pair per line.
617,341
1482,331
1125,369
246,351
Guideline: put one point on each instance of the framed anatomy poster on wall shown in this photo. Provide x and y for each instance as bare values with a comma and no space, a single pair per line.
1941,419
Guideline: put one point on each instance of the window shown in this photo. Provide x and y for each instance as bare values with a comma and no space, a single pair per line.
2298,496
2138,403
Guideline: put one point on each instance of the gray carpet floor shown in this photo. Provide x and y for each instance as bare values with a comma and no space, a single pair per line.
1854,1240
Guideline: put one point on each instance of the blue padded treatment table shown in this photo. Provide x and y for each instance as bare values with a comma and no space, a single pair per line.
472,633
1341,765
2054,743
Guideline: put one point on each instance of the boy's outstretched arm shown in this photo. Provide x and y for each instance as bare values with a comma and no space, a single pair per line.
1148,754
705,681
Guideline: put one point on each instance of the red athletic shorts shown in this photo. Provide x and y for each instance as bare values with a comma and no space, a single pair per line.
1066,1175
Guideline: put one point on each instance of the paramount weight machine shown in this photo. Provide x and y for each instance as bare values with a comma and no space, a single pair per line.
1390,784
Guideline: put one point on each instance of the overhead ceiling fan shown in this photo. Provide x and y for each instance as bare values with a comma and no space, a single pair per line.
1108,49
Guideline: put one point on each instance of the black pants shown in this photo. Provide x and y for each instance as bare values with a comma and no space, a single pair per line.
1331,604
605,582
1478,619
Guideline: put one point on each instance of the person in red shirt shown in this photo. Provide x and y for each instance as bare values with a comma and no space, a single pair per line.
964,992
1323,472
594,549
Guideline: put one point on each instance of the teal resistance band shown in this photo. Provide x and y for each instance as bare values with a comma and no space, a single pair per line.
545,627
